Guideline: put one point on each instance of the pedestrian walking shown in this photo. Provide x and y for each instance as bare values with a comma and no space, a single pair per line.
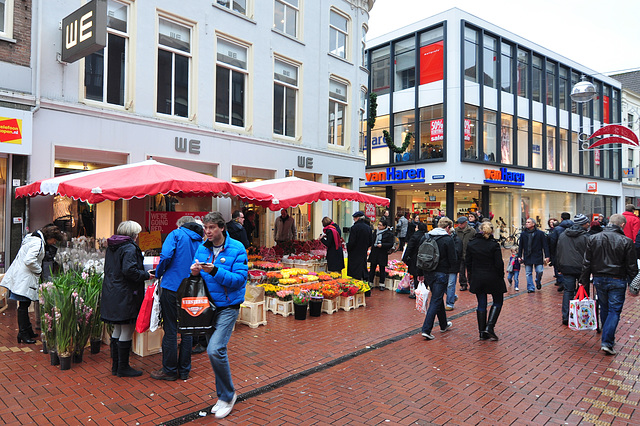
533,252
611,259
357,246
410,257
453,273
379,257
465,232
513,268
236,229
632,227
596,227
403,226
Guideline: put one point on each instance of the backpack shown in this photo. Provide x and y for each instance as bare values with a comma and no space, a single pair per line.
428,254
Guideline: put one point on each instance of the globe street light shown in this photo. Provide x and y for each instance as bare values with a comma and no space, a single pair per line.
583,91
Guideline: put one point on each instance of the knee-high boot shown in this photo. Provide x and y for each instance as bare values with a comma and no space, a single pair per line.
482,324
114,356
494,313
24,324
124,369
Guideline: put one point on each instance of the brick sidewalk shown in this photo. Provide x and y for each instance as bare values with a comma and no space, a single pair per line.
366,366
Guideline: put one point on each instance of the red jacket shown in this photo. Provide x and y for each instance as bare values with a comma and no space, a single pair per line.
633,225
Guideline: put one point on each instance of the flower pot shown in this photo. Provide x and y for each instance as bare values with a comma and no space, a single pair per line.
95,346
53,355
315,306
300,311
65,362
45,348
77,356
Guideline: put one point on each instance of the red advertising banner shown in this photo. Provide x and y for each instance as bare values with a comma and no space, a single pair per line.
431,62
10,130
370,211
605,104
467,130
437,130
166,222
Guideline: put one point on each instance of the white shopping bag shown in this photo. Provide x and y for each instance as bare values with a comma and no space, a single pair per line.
422,295
582,312
156,312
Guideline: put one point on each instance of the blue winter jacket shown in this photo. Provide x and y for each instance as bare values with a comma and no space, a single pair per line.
228,279
176,258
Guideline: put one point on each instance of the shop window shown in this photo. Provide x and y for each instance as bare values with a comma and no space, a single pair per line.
506,82
285,98
630,120
431,56
404,123
239,6
574,80
174,63
536,79
471,54
337,112
606,164
231,78
616,170
338,34
405,64
523,142
587,163
6,19
506,132
380,72
105,71
551,148
563,151
575,154
432,132
379,151
286,16
489,135
551,84
490,61
615,110
523,73
362,114
563,89
471,151
536,148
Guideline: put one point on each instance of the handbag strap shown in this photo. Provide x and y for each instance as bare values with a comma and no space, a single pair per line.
582,293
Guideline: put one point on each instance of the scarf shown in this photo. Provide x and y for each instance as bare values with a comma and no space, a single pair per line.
530,239
336,237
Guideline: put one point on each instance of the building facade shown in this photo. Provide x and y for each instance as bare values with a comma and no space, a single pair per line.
489,123
241,90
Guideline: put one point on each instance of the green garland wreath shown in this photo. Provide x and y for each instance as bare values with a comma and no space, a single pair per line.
373,110
393,147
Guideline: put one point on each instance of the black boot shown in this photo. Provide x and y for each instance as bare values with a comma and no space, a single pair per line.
494,313
482,324
114,356
124,369
24,324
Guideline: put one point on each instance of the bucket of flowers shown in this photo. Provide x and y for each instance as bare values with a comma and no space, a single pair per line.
300,304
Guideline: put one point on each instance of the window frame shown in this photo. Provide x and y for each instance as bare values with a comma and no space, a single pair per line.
333,28
332,141
7,20
232,69
286,86
230,5
287,5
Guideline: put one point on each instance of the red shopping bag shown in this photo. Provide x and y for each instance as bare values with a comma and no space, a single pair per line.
144,316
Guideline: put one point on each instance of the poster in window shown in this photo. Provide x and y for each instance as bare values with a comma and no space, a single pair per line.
524,209
605,104
505,145
431,62
437,130
467,130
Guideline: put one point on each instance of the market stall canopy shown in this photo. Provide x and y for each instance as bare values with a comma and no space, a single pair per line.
138,180
293,191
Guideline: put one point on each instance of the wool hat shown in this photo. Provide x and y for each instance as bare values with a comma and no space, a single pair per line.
359,213
462,219
580,219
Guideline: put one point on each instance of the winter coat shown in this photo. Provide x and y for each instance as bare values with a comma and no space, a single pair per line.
411,253
359,242
237,232
335,256
572,244
485,266
609,254
284,230
123,284
403,226
22,276
448,257
465,236
539,247
457,243
632,227
555,234
228,279
380,255
411,228
177,255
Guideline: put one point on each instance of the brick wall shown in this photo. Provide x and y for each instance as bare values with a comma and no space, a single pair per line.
19,53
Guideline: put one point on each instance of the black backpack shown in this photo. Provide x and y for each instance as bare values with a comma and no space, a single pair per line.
428,254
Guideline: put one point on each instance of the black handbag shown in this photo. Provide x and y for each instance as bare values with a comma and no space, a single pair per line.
196,310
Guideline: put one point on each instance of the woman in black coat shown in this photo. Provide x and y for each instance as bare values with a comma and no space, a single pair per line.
410,256
331,237
122,293
486,276
382,242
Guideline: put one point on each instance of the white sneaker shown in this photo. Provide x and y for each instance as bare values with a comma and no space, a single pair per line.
225,407
449,325
216,407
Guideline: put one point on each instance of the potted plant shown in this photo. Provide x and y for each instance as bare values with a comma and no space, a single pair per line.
47,315
300,303
65,318
315,303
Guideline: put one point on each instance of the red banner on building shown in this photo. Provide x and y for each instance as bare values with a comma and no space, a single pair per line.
431,62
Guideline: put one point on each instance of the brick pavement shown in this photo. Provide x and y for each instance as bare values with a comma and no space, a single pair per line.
366,366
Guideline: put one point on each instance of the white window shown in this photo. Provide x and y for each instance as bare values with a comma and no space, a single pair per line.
6,19
239,6
174,63
338,34
286,16
105,72
363,117
285,96
363,47
231,80
337,112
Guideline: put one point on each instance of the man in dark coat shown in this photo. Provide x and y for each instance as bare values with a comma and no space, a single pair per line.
533,252
236,230
357,246
572,245
381,243
553,242
465,233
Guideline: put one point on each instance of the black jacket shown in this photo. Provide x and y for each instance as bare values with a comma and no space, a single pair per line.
123,284
447,248
359,242
381,253
539,249
237,232
610,254
572,245
335,256
555,234
485,266
411,253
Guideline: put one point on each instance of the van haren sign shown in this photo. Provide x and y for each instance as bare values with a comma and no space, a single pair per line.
84,31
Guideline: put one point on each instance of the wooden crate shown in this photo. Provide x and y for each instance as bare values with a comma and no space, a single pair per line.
346,303
252,314
270,303
147,343
361,300
329,306
284,308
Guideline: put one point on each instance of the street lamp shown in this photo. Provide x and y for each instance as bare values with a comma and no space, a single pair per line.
583,91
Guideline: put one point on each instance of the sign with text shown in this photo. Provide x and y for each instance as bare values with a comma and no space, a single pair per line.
503,177
10,130
166,222
629,172
84,31
592,186
149,240
370,211
393,175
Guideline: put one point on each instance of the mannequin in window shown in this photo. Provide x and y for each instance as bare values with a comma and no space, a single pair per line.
62,216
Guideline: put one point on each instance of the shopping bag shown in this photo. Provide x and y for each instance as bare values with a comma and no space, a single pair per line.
422,294
634,285
582,312
196,310
156,310
144,316
404,282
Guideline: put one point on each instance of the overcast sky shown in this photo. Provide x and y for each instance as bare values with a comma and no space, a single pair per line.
602,35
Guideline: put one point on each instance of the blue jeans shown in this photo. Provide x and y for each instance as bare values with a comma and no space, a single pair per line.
217,351
611,294
451,290
498,300
514,276
529,271
438,282
175,359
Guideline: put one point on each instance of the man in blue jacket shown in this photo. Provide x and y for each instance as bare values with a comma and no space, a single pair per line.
533,252
222,263
178,251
